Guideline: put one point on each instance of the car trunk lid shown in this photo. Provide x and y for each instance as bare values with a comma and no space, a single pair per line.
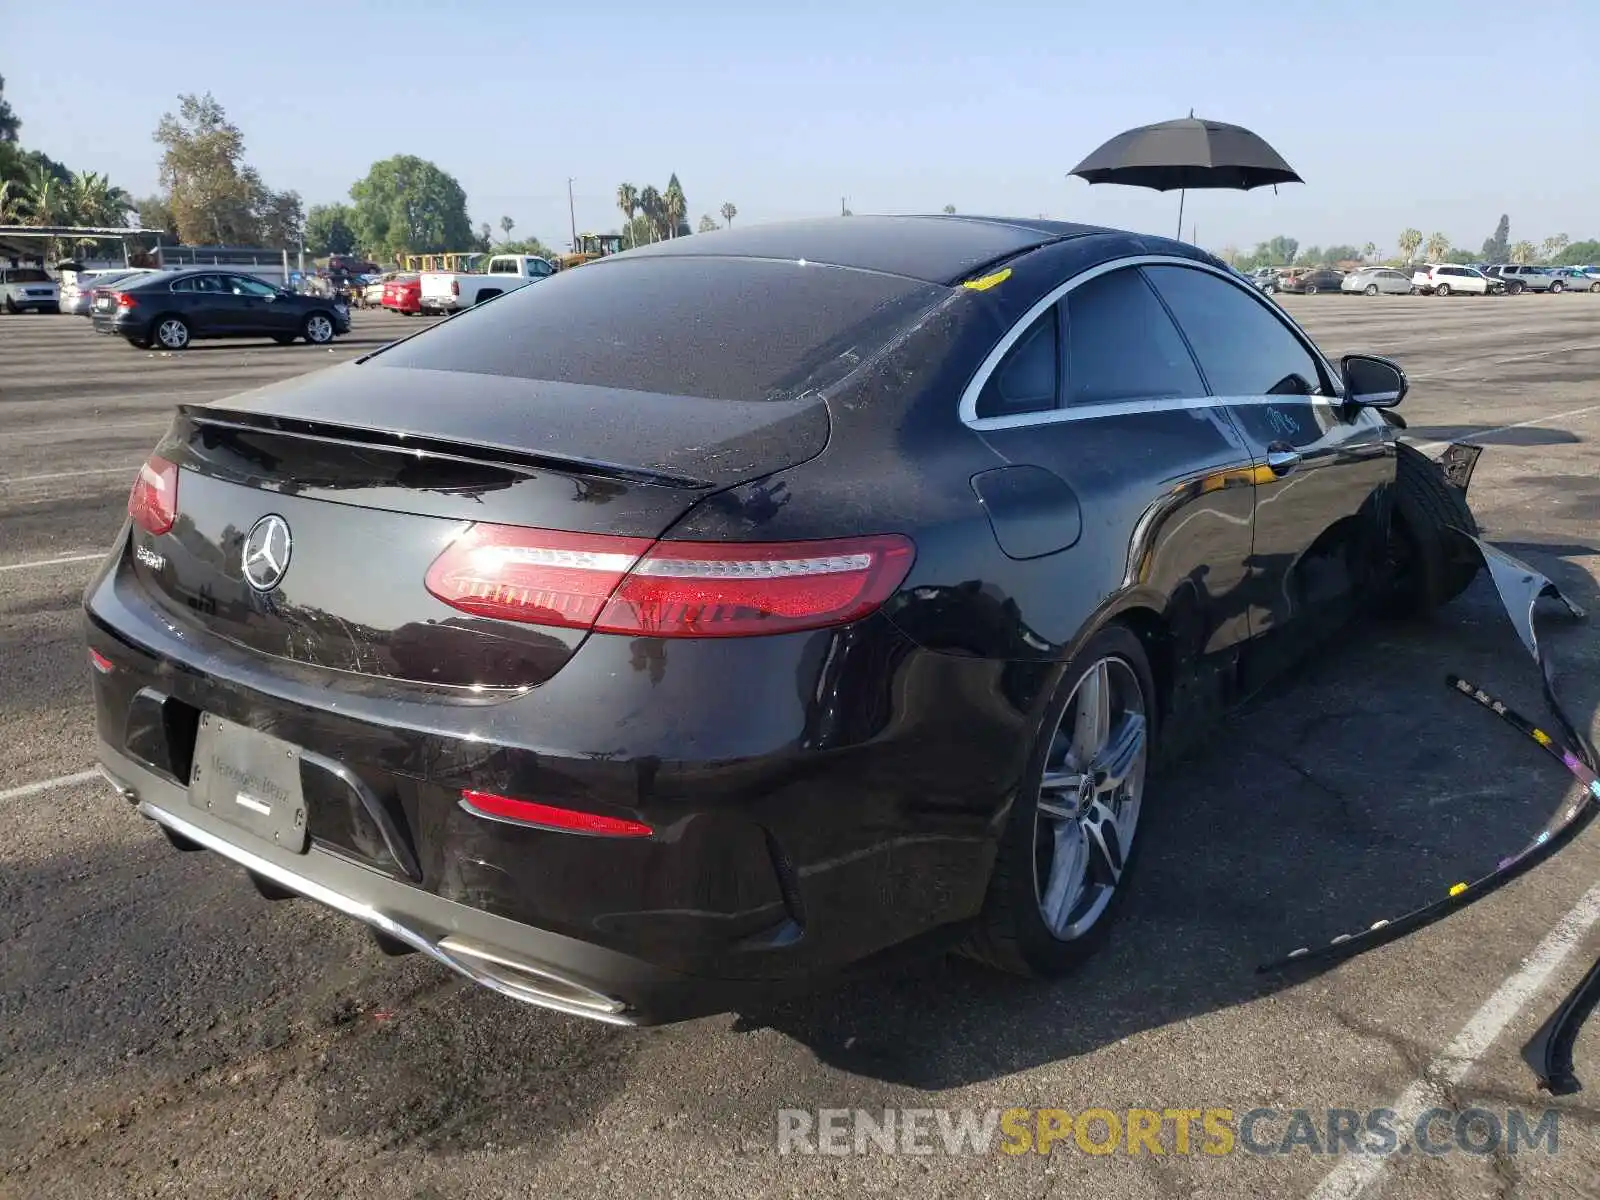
372,474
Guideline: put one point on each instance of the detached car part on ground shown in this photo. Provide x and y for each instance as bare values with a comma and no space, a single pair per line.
719,619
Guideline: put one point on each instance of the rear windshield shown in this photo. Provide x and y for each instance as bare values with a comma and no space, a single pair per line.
26,275
714,328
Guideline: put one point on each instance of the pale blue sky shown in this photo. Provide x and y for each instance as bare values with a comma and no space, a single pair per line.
1435,113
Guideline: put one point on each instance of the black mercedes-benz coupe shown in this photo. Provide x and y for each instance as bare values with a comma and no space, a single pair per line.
732,611
170,309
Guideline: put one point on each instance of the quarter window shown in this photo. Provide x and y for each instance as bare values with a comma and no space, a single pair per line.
1122,345
1028,379
1243,349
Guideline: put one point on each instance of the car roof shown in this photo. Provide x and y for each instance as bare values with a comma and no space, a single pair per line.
932,248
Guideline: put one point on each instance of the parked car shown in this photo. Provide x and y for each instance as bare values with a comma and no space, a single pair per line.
403,294
450,291
1576,279
27,289
1519,278
566,642
1446,279
77,296
1373,280
1266,278
1310,282
172,308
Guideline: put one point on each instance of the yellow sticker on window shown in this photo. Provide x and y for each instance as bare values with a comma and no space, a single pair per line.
988,281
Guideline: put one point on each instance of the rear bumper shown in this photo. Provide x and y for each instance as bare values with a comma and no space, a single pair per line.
818,799
526,964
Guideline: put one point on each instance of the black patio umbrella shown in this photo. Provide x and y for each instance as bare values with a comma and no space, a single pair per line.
1191,152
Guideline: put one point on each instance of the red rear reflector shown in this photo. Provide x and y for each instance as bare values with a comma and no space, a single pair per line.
153,503
667,589
100,662
548,816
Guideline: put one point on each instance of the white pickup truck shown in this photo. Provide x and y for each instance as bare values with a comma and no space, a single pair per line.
450,291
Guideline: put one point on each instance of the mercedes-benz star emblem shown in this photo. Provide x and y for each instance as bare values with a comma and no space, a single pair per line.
265,558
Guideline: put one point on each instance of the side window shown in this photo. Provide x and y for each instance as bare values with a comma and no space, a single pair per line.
210,284
1028,379
241,286
182,285
1243,349
1121,345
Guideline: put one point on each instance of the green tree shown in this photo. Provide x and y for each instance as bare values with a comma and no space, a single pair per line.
1339,254
155,213
407,204
281,219
10,123
213,193
1523,252
1311,256
1437,248
707,225
1497,249
330,229
674,208
1553,246
628,205
506,226
1410,239
949,210
1579,254
1369,251
1229,255
10,202
651,206
1281,250
526,246
639,231
729,212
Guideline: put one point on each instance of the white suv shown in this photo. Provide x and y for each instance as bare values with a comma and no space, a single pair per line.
1444,279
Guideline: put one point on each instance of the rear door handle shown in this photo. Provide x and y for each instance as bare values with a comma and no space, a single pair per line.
1281,462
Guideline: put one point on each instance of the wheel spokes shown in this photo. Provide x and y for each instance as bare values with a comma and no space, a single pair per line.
1111,767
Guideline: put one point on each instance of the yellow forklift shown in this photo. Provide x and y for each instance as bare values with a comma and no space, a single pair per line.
590,247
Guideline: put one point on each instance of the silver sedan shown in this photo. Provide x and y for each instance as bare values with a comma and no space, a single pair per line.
1372,280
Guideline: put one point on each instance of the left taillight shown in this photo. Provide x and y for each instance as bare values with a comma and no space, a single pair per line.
153,503
625,585
124,300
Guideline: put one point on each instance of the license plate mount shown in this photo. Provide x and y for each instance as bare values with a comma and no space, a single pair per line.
251,780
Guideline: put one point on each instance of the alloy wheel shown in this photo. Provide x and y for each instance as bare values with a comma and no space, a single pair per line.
173,334
319,329
1090,794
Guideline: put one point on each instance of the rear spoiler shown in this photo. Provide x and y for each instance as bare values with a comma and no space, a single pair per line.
445,448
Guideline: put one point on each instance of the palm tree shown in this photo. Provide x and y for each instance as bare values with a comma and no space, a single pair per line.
1410,239
1553,246
674,206
628,202
1523,252
1438,246
1369,251
10,201
729,212
506,226
650,206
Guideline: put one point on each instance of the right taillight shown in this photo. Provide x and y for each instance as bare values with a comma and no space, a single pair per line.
153,503
667,589
123,300
455,287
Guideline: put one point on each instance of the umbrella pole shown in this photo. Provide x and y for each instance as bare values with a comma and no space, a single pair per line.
1181,192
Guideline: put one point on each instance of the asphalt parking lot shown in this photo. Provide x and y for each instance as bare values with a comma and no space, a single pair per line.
164,1031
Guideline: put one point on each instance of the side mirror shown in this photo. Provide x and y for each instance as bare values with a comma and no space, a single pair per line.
1373,382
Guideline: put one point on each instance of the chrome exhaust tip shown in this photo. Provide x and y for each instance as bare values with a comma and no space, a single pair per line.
533,982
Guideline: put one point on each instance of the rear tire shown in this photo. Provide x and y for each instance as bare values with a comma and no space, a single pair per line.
1012,933
172,333
1372,289
1557,288
1429,564
1311,289
1442,290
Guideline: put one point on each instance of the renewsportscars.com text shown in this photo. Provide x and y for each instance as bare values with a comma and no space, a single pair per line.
1213,1132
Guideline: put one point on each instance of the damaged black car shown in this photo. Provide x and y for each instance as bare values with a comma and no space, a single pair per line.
720,617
